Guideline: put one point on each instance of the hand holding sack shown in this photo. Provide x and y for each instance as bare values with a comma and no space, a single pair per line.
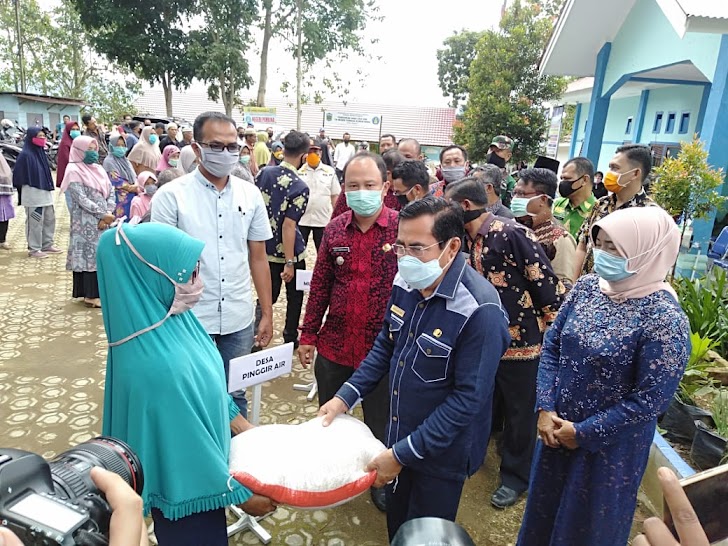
306,465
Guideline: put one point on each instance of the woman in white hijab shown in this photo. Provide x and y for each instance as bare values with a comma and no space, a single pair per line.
145,154
187,159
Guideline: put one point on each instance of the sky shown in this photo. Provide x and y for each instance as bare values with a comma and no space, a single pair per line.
409,36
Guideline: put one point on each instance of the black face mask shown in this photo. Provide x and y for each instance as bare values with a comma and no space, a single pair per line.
566,187
402,198
526,221
470,215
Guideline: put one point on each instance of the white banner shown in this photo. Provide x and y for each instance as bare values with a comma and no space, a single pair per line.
554,134
260,116
303,279
260,367
352,119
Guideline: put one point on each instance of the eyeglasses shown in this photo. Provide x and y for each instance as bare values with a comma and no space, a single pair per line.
414,251
518,193
217,147
396,193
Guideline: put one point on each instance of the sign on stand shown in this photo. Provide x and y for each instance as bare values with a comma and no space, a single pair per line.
251,371
256,368
303,280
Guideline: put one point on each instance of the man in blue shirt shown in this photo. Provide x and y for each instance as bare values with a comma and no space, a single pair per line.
441,367
286,197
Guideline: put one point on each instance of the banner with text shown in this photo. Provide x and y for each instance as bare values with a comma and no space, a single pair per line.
259,116
352,119
554,136
256,368
303,280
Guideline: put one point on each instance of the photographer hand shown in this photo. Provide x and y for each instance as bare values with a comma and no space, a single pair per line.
258,505
127,526
687,524
8,538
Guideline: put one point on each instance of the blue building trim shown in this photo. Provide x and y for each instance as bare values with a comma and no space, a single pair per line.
666,81
575,132
715,130
598,108
641,110
701,112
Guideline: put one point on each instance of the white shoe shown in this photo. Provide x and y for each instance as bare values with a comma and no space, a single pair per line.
5,246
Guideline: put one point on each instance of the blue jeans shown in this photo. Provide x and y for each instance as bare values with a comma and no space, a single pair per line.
232,346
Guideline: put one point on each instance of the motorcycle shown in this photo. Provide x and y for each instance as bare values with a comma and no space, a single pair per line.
10,153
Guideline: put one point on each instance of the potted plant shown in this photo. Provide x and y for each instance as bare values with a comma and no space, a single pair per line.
686,186
709,446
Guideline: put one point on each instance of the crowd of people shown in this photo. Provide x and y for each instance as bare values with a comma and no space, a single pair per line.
458,304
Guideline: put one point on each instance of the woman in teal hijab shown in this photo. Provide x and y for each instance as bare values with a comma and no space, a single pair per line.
165,389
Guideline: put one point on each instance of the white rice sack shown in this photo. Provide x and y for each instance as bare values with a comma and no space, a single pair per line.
306,465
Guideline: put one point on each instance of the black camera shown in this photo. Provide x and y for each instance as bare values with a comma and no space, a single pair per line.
56,502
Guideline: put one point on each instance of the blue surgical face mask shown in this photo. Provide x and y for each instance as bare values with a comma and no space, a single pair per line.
364,202
75,133
418,274
610,267
153,139
519,206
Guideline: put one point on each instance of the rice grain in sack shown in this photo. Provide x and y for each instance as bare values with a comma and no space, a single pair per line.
306,465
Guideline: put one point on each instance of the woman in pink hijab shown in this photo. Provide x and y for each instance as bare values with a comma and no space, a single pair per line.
92,206
610,364
169,159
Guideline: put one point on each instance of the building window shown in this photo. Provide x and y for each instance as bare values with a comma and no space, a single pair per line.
670,127
684,123
657,126
628,130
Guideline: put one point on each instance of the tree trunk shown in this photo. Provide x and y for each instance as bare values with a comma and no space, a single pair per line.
167,86
267,32
226,102
299,54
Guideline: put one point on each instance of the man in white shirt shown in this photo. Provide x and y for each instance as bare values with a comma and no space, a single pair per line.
343,152
229,215
324,188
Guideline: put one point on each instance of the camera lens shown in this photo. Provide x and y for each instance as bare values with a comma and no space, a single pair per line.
70,470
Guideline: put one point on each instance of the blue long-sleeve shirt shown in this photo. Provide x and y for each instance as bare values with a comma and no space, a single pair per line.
442,354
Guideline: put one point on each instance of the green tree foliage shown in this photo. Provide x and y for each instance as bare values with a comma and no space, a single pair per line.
453,64
217,49
149,39
506,94
687,185
58,60
332,32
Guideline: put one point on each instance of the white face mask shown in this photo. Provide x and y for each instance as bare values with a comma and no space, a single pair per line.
186,295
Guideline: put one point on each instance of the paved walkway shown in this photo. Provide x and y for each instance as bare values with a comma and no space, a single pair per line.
52,366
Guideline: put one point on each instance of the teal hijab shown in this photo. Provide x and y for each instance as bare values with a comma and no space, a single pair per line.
165,392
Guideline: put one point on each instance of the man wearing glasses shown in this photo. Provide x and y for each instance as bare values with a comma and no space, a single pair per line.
444,332
229,215
532,198
355,267
510,257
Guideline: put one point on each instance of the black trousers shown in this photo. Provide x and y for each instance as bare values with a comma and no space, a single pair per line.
416,495
294,299
330,376
4,232
318,234
515,386
340,175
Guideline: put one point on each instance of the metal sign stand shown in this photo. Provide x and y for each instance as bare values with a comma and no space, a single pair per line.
246,522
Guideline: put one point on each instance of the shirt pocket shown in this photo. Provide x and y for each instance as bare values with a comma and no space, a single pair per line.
395,326
432,359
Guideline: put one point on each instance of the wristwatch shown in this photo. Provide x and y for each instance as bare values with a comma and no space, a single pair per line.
290,262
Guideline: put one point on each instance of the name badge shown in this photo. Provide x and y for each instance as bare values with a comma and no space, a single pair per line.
397,311
341,249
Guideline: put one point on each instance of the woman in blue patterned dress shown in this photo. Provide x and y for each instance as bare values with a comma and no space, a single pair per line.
610,364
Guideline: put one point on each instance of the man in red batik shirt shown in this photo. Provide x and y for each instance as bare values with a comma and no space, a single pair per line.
353,277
